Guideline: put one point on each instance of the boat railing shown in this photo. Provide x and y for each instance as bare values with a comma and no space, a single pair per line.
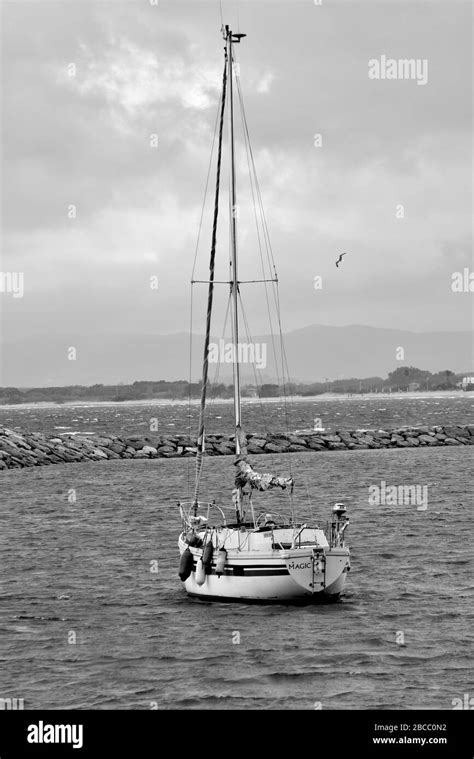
335,532
190,516
297,536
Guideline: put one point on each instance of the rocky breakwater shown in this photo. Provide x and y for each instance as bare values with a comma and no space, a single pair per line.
28,449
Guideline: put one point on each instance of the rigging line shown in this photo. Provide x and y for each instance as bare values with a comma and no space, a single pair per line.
217,372
275,290
264,225
283,349
247,145
206,188
258,382
271,262
200,441
188,463
269,251
268,246
220,11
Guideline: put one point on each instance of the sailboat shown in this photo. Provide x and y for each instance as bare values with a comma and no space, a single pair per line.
259,557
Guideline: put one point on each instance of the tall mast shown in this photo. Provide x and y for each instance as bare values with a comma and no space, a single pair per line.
210,297
231,38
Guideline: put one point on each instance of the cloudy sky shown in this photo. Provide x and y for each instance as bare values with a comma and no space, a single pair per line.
85,84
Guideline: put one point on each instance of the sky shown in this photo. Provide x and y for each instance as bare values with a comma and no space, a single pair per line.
91,210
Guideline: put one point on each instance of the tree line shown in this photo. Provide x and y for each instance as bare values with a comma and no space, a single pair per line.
401,379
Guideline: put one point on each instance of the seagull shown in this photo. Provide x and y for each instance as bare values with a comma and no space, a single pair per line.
340,259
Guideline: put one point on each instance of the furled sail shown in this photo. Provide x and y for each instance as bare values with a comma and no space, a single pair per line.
246,475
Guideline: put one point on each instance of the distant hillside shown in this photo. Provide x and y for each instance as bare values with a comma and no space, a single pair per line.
314,354
402,379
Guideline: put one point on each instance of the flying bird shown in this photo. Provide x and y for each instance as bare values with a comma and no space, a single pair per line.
340,259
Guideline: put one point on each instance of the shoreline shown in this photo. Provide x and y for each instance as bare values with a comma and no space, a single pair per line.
324,397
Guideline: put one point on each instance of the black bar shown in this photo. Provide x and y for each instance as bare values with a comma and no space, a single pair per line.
167,732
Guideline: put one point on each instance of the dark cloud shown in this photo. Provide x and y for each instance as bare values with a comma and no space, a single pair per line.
85,140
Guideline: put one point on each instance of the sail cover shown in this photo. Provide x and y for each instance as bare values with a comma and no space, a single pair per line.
247,476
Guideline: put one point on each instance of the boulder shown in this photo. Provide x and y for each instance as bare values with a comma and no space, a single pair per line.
186,441
104,442
346,437
314,439
451,441
427,440
223,449
9,448
425,430
149,450
254,449
366,440
278,441
99,454
296,447
137,445
166,449
258,442
117,447
453,432
316,445
413,441
54,459
295,439
273,448
18,440
111,454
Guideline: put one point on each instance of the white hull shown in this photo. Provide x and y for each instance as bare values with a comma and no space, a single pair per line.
297,575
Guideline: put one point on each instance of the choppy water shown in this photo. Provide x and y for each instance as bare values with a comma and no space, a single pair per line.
344,413
84,568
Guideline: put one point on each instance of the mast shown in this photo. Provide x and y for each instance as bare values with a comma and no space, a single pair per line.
233,240
234,285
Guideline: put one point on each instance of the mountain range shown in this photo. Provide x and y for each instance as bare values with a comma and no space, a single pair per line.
314,353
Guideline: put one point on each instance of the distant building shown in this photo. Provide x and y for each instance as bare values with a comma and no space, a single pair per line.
413,386
467,383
